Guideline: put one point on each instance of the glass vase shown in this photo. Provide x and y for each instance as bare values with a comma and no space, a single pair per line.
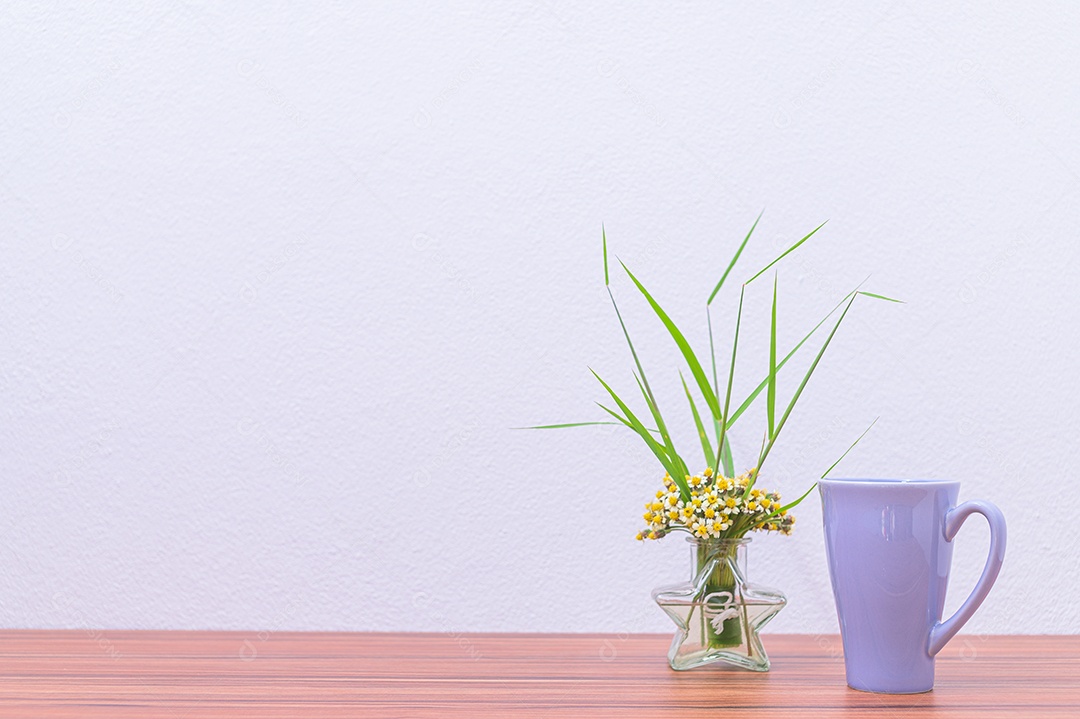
718,613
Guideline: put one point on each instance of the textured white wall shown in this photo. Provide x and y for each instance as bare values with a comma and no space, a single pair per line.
275,285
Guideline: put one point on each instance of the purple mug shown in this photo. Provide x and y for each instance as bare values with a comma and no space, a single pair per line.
889,544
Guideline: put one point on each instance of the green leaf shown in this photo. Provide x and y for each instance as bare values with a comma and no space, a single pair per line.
881,297
786,507
659,419
705,446
622,420
765,382
684,347
786,252
672,467
607,280
725,457
731,265
771,399
799,391
564,426
580,424
725,451
798,501
850,448
731,375
626,333
712,352
652,444
629,342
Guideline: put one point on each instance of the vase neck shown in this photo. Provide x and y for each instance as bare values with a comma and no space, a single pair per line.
728,551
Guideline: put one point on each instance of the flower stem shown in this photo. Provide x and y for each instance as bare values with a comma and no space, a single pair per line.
721,592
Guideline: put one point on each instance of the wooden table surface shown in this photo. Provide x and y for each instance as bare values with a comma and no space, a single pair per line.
191,675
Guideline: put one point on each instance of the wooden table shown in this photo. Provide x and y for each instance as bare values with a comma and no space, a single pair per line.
189,675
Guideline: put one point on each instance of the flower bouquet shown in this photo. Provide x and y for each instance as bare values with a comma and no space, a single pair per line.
718,613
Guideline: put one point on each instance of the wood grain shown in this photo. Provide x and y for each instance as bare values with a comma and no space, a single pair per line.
194,675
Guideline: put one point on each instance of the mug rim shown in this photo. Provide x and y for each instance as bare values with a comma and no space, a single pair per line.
887,482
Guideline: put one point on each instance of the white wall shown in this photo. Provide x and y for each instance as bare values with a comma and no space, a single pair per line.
275,285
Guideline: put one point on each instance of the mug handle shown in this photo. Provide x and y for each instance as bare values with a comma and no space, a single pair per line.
942,632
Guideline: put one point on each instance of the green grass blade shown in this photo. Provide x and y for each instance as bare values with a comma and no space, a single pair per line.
797,502
771,399
684,347
580,424
765,382
664,435
564,426
731,265
627,412
850,448
630,344
799,391
607,279
622,420
881,297
626,332
706,447
712,353
724,451
639,429
786,507
725,457
708,314
670,464
731,376
786,252
651,443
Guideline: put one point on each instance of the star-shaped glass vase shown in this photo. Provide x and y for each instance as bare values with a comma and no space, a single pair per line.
718,614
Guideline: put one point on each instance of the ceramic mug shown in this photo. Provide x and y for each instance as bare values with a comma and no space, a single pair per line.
889,545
